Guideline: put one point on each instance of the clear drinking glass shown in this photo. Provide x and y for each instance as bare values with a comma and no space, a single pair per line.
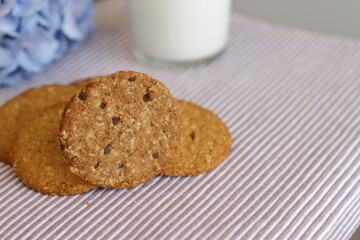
178,33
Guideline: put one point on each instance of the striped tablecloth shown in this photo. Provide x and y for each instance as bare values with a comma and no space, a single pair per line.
292,102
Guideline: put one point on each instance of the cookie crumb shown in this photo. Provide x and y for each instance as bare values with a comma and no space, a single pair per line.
87,203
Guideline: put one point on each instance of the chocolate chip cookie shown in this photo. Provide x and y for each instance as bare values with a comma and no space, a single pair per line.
81,83
38,159
205,142
15,112
119,130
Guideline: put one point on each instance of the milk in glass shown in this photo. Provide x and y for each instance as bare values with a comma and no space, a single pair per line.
178,32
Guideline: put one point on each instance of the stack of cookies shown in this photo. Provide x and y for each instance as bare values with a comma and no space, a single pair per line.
116,131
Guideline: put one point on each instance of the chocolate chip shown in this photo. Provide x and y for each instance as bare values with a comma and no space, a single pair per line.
132,79
192,135
146,97
62,147
115,120
82,97
155,155
96,165
120,165
102,105
107,149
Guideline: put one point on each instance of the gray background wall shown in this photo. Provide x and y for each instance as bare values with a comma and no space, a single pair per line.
340,17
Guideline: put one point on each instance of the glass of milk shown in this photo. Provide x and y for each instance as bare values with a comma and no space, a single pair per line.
178,33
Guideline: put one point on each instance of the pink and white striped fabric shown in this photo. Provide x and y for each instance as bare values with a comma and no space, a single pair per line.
292,102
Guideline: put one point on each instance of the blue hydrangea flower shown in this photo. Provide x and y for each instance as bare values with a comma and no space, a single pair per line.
34,33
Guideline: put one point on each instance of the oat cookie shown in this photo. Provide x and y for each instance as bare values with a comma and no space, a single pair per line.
38,159
15,112
118,130
81,83
205,142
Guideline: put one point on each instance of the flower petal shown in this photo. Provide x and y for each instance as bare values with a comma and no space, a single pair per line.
8,25
50,16
27,63
9,69
41,46
64,44
6,6
25,8
11,43
28,23
12,79
75,12
7,57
